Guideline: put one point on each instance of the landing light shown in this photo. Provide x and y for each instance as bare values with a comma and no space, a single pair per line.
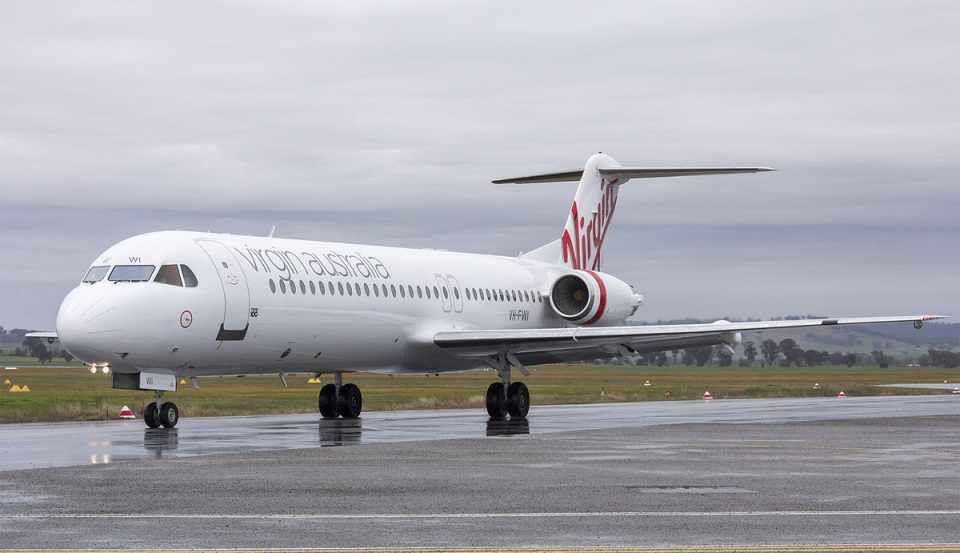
93,369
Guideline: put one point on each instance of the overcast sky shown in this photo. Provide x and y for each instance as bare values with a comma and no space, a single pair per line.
385,121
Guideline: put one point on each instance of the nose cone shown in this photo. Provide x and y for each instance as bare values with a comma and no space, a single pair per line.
82,324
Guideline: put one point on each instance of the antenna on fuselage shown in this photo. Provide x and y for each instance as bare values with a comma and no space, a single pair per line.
273,229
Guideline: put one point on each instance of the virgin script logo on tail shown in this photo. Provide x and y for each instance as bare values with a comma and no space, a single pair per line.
582,239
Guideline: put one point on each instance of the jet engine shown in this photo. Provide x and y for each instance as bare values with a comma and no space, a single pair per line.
588,297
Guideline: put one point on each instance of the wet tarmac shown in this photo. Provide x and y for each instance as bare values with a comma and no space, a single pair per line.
65,444
823,471
924,386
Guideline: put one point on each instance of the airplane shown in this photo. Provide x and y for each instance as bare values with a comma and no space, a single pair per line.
162,306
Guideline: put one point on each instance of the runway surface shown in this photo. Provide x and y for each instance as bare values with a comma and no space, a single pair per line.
64,444
805,471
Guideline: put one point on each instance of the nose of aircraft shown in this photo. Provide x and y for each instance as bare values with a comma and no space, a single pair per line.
81,324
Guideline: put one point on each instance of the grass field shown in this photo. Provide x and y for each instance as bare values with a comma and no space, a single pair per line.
75,394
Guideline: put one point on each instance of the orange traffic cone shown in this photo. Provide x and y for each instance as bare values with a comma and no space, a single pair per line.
842,394
707,395
126,413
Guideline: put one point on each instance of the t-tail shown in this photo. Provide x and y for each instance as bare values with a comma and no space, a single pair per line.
581,242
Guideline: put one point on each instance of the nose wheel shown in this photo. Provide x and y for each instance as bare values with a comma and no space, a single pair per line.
340,400
166,415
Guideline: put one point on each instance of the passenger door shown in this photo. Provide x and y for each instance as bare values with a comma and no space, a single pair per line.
236,293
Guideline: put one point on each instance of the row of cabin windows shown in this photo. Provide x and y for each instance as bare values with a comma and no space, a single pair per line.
285,286
174,275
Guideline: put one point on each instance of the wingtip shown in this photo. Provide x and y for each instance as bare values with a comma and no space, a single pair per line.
934,317
765,169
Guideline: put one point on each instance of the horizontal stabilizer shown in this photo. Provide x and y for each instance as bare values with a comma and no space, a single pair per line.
627,173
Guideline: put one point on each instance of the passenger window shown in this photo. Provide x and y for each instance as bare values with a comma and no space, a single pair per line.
384,289
419,292
96,274
456,293
168,274
340,288
526,296
427,288
293,287
446,295
436,292
410,290
313,288
283,286
131,273
303,288
349,289
366,289
332,290
403,292
376,291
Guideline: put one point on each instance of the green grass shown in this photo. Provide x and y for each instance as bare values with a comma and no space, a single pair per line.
7,360
75,394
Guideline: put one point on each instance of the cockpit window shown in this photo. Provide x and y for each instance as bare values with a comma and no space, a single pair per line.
96,274
189,279
131,273
169,274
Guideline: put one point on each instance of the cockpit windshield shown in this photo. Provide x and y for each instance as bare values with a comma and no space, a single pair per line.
131,273
170,274
96,274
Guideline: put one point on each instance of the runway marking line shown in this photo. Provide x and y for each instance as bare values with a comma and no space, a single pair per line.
409,516
788,548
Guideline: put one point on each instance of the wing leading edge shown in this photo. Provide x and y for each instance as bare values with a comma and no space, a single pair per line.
572,340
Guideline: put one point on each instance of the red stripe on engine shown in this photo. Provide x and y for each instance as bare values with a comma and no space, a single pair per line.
603,298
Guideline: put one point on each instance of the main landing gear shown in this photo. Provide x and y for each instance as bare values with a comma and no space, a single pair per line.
161,413
506,398
339,399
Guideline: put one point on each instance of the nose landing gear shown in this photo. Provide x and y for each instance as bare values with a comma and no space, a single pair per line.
339,399
161,413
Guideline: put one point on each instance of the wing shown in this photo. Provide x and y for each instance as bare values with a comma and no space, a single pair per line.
535,346
50,337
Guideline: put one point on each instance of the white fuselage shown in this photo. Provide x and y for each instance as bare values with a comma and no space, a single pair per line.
267,305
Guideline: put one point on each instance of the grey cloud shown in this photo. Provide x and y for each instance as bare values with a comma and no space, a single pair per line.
369,122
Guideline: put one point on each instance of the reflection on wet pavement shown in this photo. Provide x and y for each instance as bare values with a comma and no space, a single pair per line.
508,427
64,444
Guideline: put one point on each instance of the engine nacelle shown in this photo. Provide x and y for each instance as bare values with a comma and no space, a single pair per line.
588,297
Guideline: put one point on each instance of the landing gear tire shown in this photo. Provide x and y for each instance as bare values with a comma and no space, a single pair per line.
518,400
350,402
496,401
169,415
151,415
328,401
